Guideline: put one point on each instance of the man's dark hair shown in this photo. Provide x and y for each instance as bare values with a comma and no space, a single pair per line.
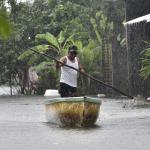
72,47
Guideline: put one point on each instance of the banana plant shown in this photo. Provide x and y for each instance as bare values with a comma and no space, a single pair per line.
53,45
57,47
89,55
58,44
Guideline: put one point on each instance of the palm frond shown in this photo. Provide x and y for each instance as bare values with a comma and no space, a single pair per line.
44,48
51,39
61,37
25,55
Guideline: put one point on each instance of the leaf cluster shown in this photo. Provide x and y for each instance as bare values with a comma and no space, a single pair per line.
145,61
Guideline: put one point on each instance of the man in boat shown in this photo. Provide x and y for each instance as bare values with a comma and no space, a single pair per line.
68,78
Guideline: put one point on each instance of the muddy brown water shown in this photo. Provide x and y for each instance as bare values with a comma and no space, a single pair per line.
23,127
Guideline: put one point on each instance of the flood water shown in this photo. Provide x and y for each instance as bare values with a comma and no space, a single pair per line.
23,127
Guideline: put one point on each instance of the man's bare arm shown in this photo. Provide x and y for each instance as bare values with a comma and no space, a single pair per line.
63,60
80,66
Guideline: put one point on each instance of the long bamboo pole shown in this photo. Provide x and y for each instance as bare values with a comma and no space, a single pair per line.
85,74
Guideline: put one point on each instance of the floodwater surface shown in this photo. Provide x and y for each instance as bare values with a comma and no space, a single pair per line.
23,127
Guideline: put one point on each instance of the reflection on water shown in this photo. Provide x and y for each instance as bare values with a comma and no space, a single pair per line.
59,127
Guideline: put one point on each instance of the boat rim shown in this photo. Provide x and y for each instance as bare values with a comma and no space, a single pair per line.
73,99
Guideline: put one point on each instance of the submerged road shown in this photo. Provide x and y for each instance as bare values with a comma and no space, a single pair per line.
23,127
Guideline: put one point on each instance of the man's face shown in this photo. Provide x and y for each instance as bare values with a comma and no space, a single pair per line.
72,54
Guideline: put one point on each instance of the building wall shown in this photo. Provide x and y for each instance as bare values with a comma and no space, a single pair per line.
119,55
136,35
137,8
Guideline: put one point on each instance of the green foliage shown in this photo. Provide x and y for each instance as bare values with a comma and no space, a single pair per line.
50,26
55,46
103,29
44,65
145,60
50,39
89,55
71,18
102,26
121,40
47,77
5,27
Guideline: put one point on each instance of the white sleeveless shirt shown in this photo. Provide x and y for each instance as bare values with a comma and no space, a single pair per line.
68,75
